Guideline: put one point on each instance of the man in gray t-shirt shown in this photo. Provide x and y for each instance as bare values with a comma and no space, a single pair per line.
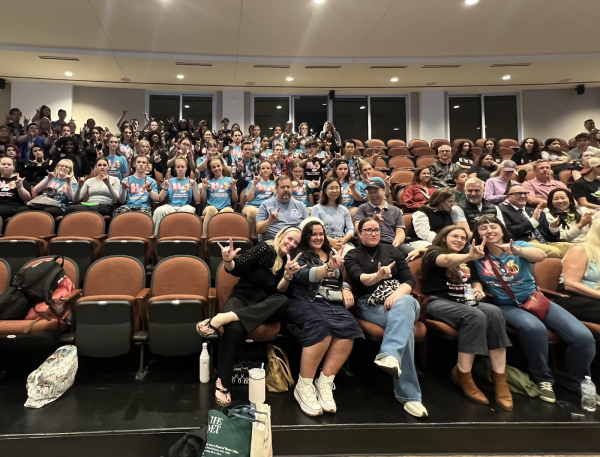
279,212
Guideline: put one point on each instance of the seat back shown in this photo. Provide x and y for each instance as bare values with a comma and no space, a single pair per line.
400,197
359,144
372,151
233,225
401,162
437,143
379,174
572,143
402,177
425,161
396,144
506,153
4,275
70,267
30,223
224,286
180,224
476,151
82,223
415,269
507,143
115,275
530,175
418,144
547,273
566,177
181,275
407,218
423,151
398,151
456,142
375,143
131,224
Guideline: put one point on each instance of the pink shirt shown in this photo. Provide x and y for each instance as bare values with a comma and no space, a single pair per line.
540,189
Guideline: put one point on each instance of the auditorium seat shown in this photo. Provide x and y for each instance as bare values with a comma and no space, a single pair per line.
401,177
400,199
26,237
379,174
401,162
476,151
480,142
179,300
79,237
398,151
566,177
375,143
530,175
572,143
425,161
378,163
131,234
110,311
506,153
508,143
359,144
407,218
437,143
418,144
457,142
179,234
221,228
423,151
396,144
4,275
368,152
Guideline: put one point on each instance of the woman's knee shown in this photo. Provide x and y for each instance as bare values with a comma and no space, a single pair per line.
234,330
476,318
210,211
408,301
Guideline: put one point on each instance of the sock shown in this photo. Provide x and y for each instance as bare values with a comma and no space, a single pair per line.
304,380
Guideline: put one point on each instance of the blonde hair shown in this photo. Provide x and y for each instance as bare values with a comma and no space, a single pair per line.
276,245
66,162
592,244
137,148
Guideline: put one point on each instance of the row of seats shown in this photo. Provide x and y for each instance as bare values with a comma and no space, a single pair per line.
508,143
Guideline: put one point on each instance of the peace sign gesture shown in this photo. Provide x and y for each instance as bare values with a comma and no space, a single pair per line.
509,248
477,252
228,252
292,267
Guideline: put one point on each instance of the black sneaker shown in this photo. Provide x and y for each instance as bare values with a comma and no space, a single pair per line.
547,394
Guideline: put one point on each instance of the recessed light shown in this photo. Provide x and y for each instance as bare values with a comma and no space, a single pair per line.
471,2
506,77
68,73
279,107
324,104
397,128
318,2
456,106
478,128
186,106
270,128
362,107
179,76
394,80
289,79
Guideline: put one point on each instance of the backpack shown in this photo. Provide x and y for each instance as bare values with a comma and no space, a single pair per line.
14,305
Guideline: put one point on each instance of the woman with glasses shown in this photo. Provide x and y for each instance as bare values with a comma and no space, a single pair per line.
383,282
60,185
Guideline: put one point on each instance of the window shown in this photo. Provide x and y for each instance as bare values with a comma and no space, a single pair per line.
163,107
312,110
465,117
270,111
351,117
198,109
501,117
388,118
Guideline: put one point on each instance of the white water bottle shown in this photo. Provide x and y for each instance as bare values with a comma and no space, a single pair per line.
588,395
469,295
204,364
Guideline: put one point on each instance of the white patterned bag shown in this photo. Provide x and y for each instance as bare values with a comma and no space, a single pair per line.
53,378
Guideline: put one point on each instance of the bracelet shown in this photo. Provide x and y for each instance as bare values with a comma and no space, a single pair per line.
288,279
328,269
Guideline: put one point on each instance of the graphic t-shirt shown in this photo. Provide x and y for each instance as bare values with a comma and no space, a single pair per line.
180,192
438,282
247,174
137,195
347,197
219,193
516,271
117,166
60,185
9,193
302,142
300,193
235,154
125,149
264,191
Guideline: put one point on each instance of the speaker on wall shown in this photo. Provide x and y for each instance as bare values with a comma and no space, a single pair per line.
580,89
2,83
331,94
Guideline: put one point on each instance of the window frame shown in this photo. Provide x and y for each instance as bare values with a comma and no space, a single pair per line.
211,95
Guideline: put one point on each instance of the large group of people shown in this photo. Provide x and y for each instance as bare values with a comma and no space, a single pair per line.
331,237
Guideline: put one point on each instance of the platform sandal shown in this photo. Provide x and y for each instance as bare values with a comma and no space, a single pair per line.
224,392
202,333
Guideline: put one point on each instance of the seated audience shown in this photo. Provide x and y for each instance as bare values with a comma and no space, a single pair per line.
302,190
443,170
118,165
219,194
382,281
540,186
60,185
31,138
491,146
467,213
559,160
183,150
68,148
341,171
318,311
247,168
254,300
233,152
279,212
456,298
360,193
303,136
585,189
335,217
419,192
496,189
328,127
430,218
484,167
583,145
513,263
138,190
565,219
261,189
464,155
103,191
15,191
460,177
589,125
529,152
37,167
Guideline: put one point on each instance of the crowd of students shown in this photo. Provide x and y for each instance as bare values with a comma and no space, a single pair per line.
331,237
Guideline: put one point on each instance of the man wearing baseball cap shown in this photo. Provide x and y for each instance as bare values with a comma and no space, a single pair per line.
586,189
496,188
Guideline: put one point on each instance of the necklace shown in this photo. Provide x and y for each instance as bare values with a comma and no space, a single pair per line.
372,258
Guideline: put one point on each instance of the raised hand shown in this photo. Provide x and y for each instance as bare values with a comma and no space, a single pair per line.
352,186
586,219
205,183
509,248
256,179
148,186
315,184
538,212
274,215
67,179
477,252
233,183
125,112
228,252
292,267
378,217
51,176
240,165
385,272
19,183
124,185
106,180
335,261
80,181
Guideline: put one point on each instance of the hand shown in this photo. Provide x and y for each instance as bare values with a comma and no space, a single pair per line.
537,212
240,165
348,297
335,261
227,252
585,220
396,243
477,252
509,248
479,294
124,185
148,186
99,153
67,179
388,181
168,175
292,267
171,119
80,181
389,302
205,183
19,183
157,158
352,186
378,217
256,179
51,176
412,255
146,116
233,183
274,215
125,112
384,272
315,184
106,180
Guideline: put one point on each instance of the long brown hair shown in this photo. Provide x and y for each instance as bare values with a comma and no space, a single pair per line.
439,197
439,245
417,177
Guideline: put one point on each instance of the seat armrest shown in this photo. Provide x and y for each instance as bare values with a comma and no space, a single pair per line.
47,237
143,294
73,296
152,237
101,237
553,293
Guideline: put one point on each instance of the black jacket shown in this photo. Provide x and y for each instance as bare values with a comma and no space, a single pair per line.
521,229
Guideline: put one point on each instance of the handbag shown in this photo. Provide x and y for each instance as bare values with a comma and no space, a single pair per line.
279,377
383,291
330,290
537,303
262,442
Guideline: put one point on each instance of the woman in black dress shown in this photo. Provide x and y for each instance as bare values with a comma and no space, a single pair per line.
254,300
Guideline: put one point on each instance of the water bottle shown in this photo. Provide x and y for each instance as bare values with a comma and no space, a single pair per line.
469,295
204,364
588,395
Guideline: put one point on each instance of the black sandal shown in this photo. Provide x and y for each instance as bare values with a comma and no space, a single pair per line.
202,333
224,392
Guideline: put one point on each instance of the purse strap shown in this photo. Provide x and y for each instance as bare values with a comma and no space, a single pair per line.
501,281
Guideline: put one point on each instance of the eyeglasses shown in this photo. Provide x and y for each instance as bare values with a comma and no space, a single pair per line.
520,194
369,231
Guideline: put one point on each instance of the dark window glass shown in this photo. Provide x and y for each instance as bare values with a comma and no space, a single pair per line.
501,117
312,110
163,107
198,109
465,117
350,118
270,111
388,118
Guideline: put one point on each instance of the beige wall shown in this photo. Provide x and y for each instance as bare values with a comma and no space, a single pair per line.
4,102
106,105
558,112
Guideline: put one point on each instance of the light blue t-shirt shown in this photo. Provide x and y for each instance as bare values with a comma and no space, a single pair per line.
361,186
300,193
264,191
219,193
516,271
302,142
199,161
279,141
336,220
291,213
265,154
235,154
117,166
180,192
61,190
347,197
137,195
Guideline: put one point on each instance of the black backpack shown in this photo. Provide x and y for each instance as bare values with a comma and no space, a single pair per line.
39,282
14,305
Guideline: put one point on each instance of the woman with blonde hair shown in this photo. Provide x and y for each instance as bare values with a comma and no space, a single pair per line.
430,218
219,193
60,186
256,299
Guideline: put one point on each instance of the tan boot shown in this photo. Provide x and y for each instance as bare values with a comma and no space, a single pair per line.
503,395
466,383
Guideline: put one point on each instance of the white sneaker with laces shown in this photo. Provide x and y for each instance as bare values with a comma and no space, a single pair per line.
390,365
306,396
325,387
415,408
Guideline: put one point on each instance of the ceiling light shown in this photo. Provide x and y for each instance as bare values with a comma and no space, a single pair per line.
324,104
397,128
289,79
179,76
362,107
471,2
394,80
279,107
456,106
270,128
186,106
506,77
68,73
318,2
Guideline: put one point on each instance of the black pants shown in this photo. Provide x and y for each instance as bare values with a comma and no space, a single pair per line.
105,210
7,211
252,315
54,211
585,309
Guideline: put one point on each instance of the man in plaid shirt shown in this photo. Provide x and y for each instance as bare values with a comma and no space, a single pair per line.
247,167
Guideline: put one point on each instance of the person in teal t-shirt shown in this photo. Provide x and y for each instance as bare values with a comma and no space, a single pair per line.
302,190
219,193
341,170
261,188
138,190
234,151
118,166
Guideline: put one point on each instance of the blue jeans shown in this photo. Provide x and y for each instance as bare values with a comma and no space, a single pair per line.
581,346
398,341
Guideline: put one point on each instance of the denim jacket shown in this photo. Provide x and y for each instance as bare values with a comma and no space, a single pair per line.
306,284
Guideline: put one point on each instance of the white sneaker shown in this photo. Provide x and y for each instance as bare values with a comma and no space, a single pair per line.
325,387
390,365
415,408
306,396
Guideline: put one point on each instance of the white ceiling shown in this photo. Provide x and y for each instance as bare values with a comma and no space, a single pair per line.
142,39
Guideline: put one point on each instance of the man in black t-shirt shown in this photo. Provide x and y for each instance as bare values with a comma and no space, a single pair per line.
585,189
